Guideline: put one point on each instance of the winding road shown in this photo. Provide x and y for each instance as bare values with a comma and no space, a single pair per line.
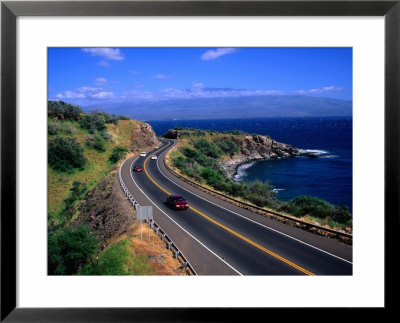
218,238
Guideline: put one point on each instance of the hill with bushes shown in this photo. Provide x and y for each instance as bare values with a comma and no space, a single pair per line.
89,218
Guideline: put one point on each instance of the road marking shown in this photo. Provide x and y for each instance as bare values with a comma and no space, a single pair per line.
305,271
253,221
224,261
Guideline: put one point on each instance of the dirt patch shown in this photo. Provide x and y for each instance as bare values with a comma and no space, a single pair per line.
155,249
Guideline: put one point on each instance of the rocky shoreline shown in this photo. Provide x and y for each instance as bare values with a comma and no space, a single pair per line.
255,148
251,148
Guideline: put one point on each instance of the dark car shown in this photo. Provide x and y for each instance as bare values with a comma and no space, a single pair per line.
177,202
137,169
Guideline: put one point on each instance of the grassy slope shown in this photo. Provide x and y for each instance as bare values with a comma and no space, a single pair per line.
97,167
127,256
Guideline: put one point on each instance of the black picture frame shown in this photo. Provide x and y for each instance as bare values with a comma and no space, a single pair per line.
10,10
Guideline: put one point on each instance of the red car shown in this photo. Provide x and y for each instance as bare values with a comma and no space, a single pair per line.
137,169
177,202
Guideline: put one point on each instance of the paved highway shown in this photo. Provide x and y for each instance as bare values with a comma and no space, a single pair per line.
218,238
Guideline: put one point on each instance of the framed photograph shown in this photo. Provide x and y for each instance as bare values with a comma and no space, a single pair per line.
314,80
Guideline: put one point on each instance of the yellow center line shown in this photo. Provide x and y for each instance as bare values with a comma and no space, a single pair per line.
305,271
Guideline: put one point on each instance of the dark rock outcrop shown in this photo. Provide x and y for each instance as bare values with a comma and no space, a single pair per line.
172,134
143,136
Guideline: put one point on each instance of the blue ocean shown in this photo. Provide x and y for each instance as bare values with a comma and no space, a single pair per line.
328,177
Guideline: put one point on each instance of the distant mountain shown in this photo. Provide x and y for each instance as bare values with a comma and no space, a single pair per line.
230,107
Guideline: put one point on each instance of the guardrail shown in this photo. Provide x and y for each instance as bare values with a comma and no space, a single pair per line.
125,189
338,235
164,237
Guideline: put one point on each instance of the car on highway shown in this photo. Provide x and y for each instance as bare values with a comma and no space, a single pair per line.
177,202
154,157
137,169
143,154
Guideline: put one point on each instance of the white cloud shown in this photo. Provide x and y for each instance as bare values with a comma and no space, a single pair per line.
70,95
100,81
85,93
161,76
197,85
103,95
215,53
112,54
196,91
325,89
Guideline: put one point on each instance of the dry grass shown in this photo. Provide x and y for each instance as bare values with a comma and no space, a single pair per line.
162,259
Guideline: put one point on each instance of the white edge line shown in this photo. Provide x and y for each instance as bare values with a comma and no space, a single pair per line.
179,224
263,225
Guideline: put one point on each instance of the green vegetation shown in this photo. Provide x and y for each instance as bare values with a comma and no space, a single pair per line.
82,149
315,207
119,259
65,153
117,154
228,146
96,142
63,111
93,122
69,249
77,193
55,128
199,158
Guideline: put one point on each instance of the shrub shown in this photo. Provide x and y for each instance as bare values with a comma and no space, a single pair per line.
342,215
70,248
68,129
208,148
310,205
96,142
65,153
106,135
211,176
77,191
179,162
53,128
63,111
117,154
236,189
228,146
93,122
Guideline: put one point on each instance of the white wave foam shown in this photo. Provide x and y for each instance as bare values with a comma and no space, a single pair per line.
241,171
316,151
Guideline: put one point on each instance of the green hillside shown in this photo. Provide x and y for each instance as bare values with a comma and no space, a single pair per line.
97,145
84,151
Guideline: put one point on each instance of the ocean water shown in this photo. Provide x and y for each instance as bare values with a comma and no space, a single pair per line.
328,177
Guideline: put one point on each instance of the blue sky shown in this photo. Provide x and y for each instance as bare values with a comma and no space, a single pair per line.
87,76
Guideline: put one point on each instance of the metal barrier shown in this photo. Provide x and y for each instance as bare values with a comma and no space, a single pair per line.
164,237
172,246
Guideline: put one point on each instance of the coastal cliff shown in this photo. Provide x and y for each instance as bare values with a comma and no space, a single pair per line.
258,147
250,147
